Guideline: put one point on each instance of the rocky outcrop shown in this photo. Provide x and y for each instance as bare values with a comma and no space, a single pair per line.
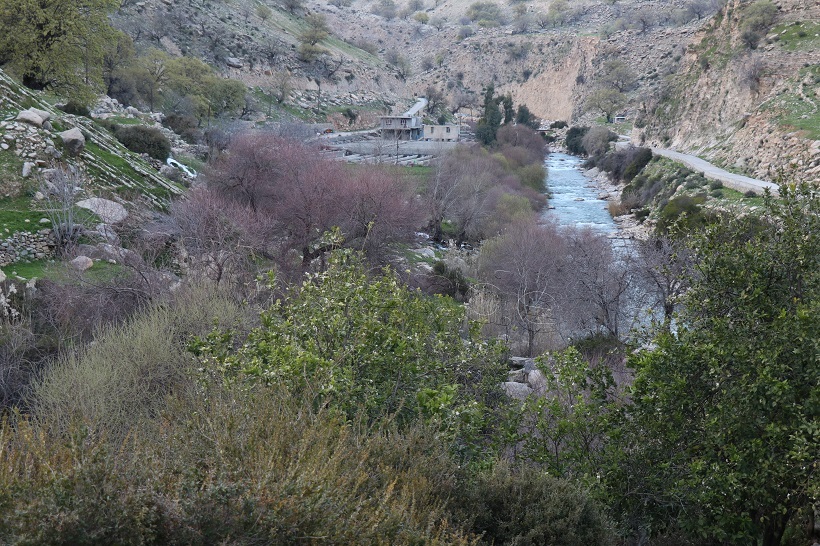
729,104
30,117
524,379
82,263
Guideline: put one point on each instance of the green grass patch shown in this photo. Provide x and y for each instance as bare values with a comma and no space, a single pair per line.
793,111
191,162
17,214
30,270
795,36
11,177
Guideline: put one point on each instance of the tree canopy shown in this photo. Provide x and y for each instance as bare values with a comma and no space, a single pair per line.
725,425
56,43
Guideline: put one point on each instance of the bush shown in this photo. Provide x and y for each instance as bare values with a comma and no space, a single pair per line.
683,210
185,126
144,140
529,507
485,14
76,109
228,466
715,185
125,375
640,159
574,140
558,124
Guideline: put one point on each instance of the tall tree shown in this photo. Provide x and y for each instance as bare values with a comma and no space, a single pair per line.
490,121
725,426
56,43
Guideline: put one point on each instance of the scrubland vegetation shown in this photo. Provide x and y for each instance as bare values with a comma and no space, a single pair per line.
271,359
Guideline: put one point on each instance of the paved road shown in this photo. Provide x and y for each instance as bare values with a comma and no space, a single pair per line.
730,180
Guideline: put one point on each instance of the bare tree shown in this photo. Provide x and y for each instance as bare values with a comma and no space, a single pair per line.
61,188
527,268
666,265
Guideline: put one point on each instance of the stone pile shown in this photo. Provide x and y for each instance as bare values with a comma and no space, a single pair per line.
29,141
25,246
524,379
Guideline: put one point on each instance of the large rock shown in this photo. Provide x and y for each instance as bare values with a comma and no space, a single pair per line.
73,140
537,381
2,276
233,62
30,117
27,167
82,263
108,211
517,391
45,116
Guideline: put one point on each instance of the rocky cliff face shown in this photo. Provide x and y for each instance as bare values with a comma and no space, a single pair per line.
751,110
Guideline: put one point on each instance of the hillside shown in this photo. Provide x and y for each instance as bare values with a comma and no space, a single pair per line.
696,87
756,111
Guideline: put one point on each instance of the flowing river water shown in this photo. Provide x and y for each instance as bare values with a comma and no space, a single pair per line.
574,197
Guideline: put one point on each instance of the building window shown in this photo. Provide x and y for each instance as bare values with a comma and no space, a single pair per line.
404,123
388,122
448,129
432,130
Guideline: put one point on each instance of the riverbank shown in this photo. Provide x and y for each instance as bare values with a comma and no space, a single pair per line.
627,225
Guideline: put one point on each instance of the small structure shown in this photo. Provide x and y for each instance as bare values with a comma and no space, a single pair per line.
407,126
442,133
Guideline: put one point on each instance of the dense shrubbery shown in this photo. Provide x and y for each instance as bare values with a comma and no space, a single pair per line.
624,165
144,140
574,140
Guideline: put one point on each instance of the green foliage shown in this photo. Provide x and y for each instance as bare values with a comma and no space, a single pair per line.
485,14
567,425
683,211
490,121
574,140
606,100
144,140
529,507
724,430
210,94
56,44
367,346
316,31
758,18
639,161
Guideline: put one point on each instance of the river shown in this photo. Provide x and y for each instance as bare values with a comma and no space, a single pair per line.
574,197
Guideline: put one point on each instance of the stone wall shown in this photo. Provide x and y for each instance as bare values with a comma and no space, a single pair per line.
25,245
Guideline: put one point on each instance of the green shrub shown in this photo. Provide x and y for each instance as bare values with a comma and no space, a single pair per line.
640,160
144,140
76,109
529,507
715,185
575,136
485,14
683,210
367,346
